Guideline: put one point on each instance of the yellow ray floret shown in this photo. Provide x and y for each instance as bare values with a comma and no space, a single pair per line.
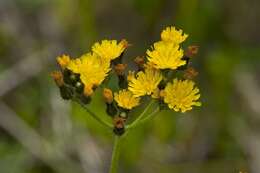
126,99
166,55
171,34
63,61
181,95
109,49
145,83
75,65
93,69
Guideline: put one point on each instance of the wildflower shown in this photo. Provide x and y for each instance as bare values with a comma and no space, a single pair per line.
171,34
93,70
145,82
166,55
156,93
109,49
125,99
181,95
75,65
108,95
63,61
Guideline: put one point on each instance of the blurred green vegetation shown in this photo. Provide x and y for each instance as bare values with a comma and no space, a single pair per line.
218,137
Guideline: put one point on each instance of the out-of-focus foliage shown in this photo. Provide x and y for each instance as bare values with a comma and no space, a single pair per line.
221,136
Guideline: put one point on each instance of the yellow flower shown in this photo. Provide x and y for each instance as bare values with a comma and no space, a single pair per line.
145,83
181,95
109,49
126,99
166,55
93,69
63,61
171,34
131,75
75,65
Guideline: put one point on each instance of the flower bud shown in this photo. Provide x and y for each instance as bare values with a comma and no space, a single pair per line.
120,68
192,51
63,61
88,91
119,126
140,62
190,73
58,78
108,95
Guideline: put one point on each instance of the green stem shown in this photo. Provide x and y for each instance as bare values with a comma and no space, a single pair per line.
147,118
92,114
115,155
140,117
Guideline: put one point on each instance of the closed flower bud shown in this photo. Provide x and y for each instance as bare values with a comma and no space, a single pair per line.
119,125
88,91
108,95
120,68
140,62
190,73
192,51
58,78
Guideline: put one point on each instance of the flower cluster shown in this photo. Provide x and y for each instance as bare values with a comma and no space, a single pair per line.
156,76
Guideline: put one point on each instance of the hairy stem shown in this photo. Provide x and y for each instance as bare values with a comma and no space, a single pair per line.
140,117
147,118
115,155
101,121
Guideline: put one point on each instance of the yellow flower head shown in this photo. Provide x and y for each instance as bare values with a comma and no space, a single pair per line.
171,34
126,99
145,83
181,95
165,55
109,49
93,69
63,61
75,65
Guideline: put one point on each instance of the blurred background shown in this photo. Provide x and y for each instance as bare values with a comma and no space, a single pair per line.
41,133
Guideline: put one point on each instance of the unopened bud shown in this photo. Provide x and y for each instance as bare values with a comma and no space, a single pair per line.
190,73
108,95
140,62
191,51
120,68
88,91
58,78
119,125
63,61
